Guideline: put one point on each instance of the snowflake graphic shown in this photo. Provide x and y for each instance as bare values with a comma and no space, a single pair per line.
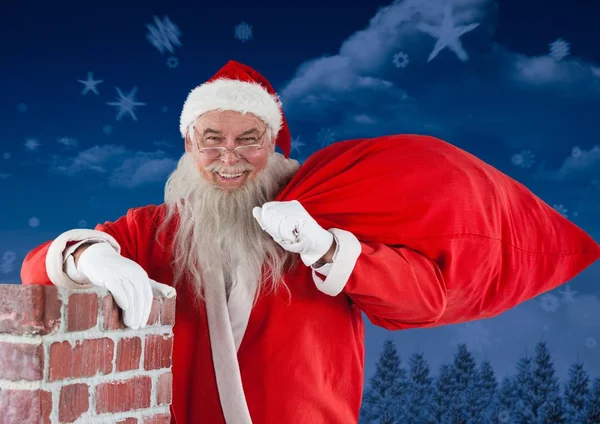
89,84
82,223
400,60
591,343
172,62
22,107
568,295
504,417
296,144
447,34
165,109
576,152
126,104
8,262
34,222
67,141
524,159
243,32
549,303
559,49
32,144
164,35
561,209
325,137
475,335
6,156
107,129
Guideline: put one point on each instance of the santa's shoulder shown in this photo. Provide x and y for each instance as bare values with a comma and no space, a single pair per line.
148,215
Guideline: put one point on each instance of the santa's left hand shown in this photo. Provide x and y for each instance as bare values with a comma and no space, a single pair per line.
292,227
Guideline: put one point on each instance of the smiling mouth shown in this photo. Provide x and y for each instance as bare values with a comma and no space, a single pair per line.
230,177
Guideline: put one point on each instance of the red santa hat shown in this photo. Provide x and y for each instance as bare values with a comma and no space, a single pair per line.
240,88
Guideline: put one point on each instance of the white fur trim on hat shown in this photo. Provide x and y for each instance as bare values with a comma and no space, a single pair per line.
230,94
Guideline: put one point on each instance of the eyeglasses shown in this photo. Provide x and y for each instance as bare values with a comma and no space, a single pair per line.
248,151
245,152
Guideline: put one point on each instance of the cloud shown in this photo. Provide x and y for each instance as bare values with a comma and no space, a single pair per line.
580,164
521,101
141,169
569,77
123,167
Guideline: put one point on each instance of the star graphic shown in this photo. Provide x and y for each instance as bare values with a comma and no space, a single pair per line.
296,144
126,104
447,34
31,144
90,84
568,295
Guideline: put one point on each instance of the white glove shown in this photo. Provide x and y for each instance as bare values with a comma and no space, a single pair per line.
127,281
292,227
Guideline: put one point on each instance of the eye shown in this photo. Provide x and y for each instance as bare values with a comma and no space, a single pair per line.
248,140
212,139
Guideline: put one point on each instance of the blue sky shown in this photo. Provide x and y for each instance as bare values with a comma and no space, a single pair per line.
511,92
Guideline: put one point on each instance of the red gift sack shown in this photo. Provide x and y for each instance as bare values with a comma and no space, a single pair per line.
496,243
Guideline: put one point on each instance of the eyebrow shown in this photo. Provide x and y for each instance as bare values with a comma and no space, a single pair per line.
213,131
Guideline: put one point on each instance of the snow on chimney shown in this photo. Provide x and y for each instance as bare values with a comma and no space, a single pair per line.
65,356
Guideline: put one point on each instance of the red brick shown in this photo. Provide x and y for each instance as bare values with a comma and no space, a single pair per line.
29,309
129,353
112,316
164,389
154,317
128,421
73,402
124,395
158,351
82,311
168,311
25,406
21,361
85,359
158,419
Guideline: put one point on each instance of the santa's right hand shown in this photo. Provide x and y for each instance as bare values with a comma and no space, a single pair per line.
127,281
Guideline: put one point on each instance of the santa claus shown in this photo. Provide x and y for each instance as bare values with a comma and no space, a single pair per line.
268,311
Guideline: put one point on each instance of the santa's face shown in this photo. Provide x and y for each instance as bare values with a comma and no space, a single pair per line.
230,130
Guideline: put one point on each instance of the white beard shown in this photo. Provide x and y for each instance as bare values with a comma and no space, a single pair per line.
217,233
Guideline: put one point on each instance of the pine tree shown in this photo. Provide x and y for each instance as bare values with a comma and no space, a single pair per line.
547,402
523,409
444,394
384,400
420,407
466,404
554,412
576,393
487,391
505,402
592,415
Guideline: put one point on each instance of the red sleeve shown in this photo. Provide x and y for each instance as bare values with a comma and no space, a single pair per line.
34,268
396,287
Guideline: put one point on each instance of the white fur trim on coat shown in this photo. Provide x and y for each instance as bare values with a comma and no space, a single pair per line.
349,249
229,94
54,256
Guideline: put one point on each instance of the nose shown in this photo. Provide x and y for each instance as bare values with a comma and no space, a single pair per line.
229,158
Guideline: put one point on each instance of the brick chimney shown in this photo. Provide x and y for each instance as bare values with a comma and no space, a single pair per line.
65,356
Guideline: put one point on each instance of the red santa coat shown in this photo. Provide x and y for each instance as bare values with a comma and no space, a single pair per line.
282,361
